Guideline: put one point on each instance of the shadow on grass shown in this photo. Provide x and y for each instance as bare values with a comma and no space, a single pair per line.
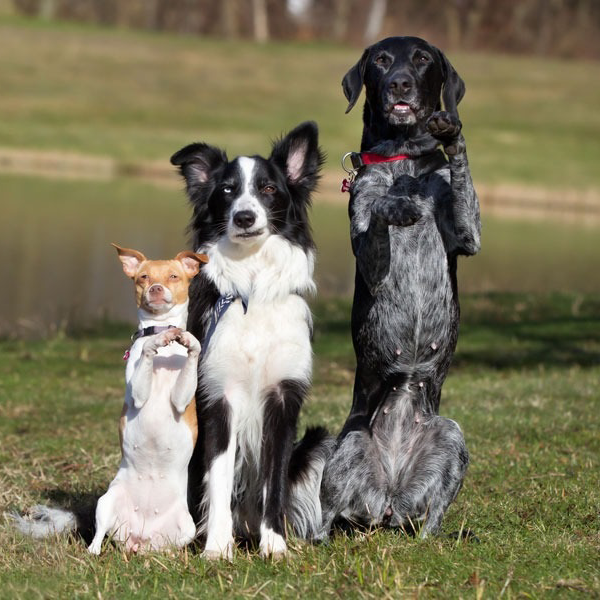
505,331
82,505
557,343
498,330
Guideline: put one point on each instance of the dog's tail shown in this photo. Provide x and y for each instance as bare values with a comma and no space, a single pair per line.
305,474
43,521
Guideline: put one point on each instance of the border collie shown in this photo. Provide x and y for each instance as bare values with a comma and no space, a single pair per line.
250,217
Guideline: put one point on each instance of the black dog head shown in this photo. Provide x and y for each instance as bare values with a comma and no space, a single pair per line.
405,80
249,198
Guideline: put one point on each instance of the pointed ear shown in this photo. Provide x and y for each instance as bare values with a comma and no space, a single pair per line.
130,259
191,262
197,162
299,156
453,88
353,80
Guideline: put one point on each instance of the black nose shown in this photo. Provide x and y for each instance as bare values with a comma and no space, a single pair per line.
244,219
401,83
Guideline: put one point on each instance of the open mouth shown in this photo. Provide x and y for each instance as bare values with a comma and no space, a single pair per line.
401,108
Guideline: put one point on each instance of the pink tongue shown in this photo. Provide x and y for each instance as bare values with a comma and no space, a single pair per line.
401,107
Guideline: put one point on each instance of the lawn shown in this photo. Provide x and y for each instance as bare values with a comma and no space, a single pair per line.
524,387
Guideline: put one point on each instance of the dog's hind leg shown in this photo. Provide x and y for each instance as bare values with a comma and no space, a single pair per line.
352,485
432,476
106,517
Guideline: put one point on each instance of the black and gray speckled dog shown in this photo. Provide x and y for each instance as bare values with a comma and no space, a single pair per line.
397,461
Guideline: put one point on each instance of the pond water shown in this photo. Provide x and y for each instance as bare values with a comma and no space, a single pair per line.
58,266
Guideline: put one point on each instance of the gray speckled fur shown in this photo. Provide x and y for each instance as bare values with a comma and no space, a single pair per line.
405,313
406,468
396,461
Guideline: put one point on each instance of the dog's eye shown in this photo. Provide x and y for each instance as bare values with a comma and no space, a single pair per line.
173,276
382,60
422,59
143,277
227,189
269,189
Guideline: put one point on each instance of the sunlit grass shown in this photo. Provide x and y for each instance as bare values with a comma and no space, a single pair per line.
523,388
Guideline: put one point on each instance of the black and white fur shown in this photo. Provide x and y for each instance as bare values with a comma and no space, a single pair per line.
251,219
396,461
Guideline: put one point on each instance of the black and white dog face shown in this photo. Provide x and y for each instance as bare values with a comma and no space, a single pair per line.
250,198
404,78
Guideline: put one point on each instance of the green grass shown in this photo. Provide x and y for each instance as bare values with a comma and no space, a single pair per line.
137,96
524,387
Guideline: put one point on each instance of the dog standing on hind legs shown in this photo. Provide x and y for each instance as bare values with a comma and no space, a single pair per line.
413,211
146,505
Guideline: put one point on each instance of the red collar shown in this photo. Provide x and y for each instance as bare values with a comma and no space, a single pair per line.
370,158
359,159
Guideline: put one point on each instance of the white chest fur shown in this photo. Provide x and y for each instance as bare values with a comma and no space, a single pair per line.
250,353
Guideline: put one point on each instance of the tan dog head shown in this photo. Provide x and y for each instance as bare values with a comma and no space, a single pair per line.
160,284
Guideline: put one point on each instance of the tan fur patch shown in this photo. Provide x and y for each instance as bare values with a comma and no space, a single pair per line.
191,419
122,423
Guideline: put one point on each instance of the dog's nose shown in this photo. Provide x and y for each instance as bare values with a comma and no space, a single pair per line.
402,83
156,289
244,219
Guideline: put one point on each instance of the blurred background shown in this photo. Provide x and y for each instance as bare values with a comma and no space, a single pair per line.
95,96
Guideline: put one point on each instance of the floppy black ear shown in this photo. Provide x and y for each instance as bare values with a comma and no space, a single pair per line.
453,87
298,155
353,80
197,163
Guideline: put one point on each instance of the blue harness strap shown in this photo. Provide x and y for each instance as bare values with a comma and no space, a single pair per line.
220,308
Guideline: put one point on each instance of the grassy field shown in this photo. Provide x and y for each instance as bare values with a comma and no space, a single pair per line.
137,96
524,387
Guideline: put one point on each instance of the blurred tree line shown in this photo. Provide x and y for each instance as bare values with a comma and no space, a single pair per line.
566,28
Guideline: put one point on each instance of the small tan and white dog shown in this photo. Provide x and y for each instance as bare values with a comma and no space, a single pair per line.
146,503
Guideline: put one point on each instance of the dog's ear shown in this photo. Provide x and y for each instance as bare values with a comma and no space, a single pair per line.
130,259
453,88
191,262
299,156
353,80
198,162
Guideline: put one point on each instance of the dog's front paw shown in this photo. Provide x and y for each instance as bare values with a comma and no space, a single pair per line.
171,335
187,340
217,551
272,545
401,212
444,126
